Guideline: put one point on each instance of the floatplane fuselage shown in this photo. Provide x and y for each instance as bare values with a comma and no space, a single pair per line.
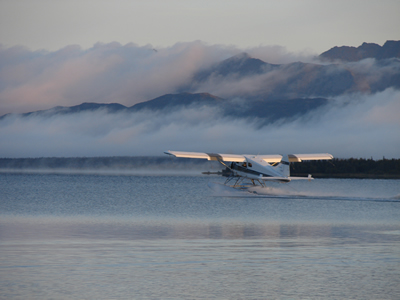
250,170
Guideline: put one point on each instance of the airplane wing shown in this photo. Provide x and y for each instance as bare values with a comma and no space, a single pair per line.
273,158
208,156
224,157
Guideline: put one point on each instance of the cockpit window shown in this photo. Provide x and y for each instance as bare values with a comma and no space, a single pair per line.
244,165
250,165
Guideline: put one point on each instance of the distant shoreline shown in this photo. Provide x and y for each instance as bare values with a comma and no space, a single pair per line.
350,176
337,168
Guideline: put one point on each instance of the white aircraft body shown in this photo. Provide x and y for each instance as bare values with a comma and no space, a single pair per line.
252,170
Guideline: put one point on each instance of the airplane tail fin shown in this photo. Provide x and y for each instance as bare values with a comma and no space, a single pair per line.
284,167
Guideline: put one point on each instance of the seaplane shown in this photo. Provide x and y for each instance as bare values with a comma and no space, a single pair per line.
244,171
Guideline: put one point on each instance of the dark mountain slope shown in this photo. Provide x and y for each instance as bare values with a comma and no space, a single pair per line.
267,112
295,80
238,66
312,80
264,112
84,107
173,101
89,106
367,50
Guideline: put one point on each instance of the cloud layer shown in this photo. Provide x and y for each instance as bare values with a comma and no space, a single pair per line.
105,73
362,127
362,124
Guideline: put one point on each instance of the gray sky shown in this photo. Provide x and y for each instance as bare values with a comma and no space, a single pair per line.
313,25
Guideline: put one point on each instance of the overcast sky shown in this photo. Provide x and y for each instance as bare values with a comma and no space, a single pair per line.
311,25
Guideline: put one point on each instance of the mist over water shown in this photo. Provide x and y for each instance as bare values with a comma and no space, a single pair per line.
322,190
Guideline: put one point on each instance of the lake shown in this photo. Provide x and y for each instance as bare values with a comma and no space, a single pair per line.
124,236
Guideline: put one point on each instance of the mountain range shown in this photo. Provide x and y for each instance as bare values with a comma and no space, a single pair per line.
267,92
265,111
366,50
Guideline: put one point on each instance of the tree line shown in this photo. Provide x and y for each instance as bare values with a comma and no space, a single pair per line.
348,168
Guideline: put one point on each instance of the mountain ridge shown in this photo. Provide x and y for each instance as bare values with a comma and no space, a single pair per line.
389,49
264,111
239,65
170,101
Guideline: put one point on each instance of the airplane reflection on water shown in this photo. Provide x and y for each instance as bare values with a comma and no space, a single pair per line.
189,229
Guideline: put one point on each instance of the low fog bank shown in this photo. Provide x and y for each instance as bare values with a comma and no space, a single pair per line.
360,126
138,165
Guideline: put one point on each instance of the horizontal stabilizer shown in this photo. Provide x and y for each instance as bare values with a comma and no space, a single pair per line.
315,156
279,179
302,178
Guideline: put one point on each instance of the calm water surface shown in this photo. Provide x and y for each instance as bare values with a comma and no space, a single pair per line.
171,237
